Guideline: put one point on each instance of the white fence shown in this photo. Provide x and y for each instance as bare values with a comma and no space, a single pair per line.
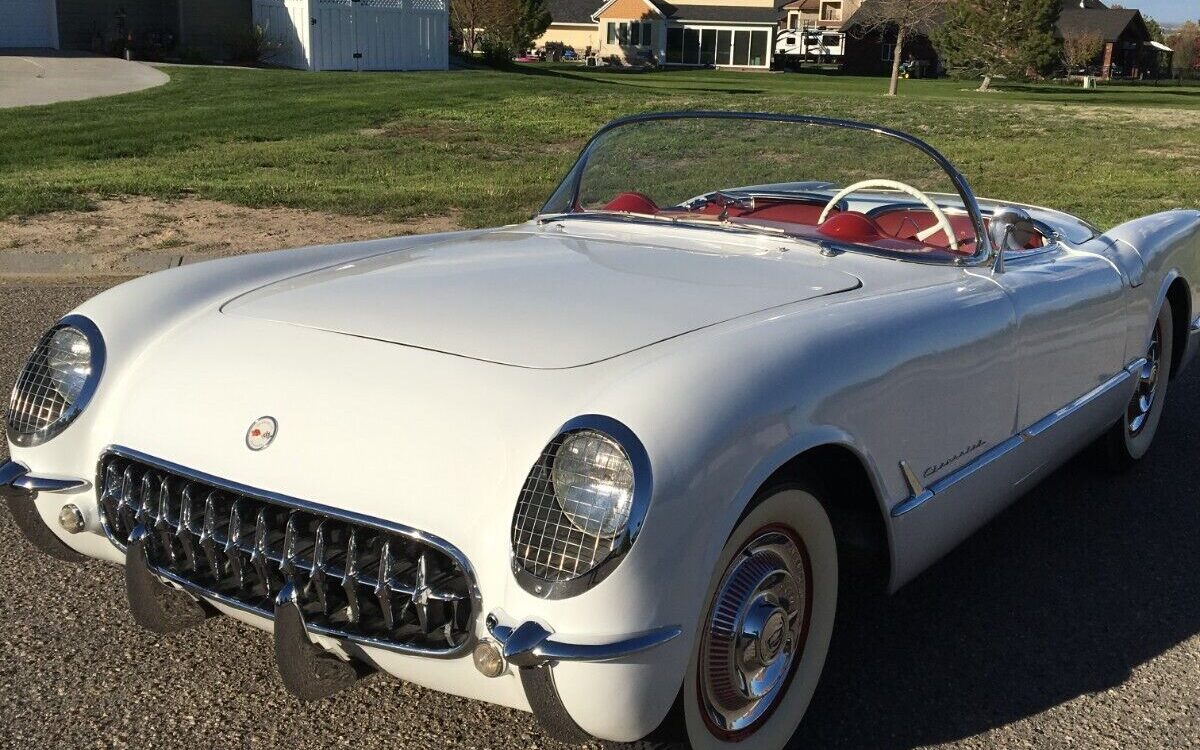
358,34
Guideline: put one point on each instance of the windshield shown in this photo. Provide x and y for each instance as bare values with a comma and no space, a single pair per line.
785,175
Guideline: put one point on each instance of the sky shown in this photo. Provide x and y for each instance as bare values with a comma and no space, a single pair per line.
1163,11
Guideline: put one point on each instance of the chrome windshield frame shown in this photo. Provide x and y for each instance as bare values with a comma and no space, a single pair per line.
573,178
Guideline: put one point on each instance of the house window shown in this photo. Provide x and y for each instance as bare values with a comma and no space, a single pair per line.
643,35
691,46
758,48
635,34
887,50
741,47
612,32
793,20
708,47
623,32
674,45
724,46
831,11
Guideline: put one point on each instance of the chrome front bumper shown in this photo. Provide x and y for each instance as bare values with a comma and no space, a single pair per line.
529,647
16,477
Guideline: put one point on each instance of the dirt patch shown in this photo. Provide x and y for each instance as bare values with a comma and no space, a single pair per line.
1181,152
1159,117
121,229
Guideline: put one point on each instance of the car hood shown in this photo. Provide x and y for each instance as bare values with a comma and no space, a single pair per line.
538,299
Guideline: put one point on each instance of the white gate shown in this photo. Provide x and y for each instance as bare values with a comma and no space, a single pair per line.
335,44
381,34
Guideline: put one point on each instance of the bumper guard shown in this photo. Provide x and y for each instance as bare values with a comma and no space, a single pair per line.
18,488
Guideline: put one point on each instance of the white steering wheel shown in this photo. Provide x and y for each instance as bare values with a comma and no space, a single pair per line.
942,225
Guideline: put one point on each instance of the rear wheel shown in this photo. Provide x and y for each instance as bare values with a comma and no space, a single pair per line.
1130,438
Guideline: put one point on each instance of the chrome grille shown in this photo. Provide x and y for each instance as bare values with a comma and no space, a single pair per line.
372,584
546,544
36,404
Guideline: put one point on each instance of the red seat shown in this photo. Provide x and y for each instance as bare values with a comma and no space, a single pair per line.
851,227
633,203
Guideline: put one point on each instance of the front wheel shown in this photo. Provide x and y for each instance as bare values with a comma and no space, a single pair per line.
765,633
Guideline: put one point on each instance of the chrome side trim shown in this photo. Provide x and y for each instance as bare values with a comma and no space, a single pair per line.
1054,418
13,474
530,644
919,498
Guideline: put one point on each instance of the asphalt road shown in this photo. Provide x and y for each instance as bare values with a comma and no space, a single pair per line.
1072,621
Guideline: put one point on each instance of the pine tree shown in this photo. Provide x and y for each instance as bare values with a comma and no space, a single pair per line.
1013,38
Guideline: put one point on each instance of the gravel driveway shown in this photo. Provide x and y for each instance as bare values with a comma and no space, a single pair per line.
1073,621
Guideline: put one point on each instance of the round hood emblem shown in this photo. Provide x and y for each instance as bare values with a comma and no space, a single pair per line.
261,433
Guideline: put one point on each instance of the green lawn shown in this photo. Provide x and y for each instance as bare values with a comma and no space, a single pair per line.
489,146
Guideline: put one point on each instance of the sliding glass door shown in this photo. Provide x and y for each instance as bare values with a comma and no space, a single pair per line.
717,46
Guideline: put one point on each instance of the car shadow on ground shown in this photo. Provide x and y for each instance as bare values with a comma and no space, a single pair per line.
1081,581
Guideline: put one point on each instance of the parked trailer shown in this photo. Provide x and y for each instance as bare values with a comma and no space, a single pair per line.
810,45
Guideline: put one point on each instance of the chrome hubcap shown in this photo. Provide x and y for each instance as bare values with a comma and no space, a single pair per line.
1138,412
754,633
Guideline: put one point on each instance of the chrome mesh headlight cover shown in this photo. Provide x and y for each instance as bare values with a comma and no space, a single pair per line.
561,548
54,386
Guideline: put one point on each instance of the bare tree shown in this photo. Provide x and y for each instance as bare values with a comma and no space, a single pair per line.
1081,48
474,17
905,17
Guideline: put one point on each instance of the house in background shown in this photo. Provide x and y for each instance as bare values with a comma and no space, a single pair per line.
314,34
870,49
572,26
707,33
1129,51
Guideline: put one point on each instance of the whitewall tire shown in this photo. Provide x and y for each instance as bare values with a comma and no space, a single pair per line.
762,641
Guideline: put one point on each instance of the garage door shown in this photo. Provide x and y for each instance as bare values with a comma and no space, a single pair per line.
28,23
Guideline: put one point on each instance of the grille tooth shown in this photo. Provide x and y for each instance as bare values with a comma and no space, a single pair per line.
183,530
420,595
233,552
316,581
353,580
350,579
143,515
161,524
288,565
207,530
383,586
258,557
125,504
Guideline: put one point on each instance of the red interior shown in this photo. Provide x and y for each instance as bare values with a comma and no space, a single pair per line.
890,229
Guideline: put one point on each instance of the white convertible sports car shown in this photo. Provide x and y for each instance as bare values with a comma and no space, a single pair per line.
617,465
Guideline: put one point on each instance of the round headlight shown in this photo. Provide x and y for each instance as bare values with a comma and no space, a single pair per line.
57,381
69,362
581,507
593,481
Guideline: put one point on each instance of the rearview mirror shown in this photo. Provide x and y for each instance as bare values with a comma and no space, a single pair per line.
1011,229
